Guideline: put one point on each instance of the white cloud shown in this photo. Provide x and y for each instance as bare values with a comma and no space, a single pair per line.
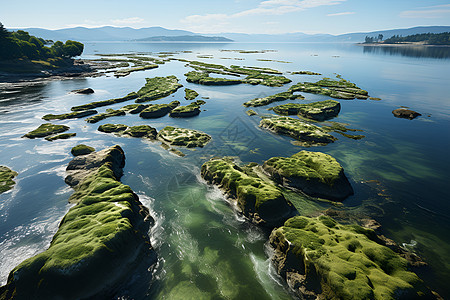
427,13
341,14
206,23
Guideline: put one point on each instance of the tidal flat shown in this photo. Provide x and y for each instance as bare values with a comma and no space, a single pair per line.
212,236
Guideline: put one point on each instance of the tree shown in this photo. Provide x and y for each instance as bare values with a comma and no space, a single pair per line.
380,37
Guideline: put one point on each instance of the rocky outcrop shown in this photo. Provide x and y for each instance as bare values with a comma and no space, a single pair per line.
187,111
183,137
81,150
100,241
273,98
319,111
259,201
83,91
6,179
314,173
139,131
46,129
304,132
158,110
72,115
157,88
405,113
321,259
340,89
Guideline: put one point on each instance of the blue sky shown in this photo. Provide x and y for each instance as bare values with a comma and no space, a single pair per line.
244,16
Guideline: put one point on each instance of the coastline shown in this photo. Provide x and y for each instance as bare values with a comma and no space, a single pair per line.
400,45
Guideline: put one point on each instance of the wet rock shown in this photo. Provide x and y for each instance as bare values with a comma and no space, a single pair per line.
158,110
405,113
6,179
83,91
81,150
319,111
183,137
46,129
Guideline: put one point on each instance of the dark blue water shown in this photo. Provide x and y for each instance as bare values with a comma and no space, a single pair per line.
399,170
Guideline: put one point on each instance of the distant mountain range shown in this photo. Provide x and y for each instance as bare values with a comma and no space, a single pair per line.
154,34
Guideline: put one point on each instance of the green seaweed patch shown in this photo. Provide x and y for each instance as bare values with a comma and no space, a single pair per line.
183,137
319,111
46,129
6,179
158,110
204,79
297,129
340,89
108,114
342,128
62,136
96,104
272,98
139,131
81,149
334,261
190,94
157,88
251,112
128,71
72,115
267,80
305,73
187,111
260,201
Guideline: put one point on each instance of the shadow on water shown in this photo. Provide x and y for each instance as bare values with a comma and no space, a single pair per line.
409,51
18,94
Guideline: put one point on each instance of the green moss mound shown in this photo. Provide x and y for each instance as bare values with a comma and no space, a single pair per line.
183,137
340,89
315,173
270,99
99,243
46,129
158,110
6,179
62,136
108,114
187,111
190,94
72,115
205,79
139,131
326,260
307,133
260,201
251,112
157,88
319,111
81,149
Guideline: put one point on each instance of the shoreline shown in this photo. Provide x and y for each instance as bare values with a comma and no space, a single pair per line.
400,45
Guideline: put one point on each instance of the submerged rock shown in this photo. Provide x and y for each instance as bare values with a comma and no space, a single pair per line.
100,241
46,129
83,91
6,179
81,150
319,111
183,137
405,113
72,115
316,174
299,130
321,259
62,136
158,110
260,201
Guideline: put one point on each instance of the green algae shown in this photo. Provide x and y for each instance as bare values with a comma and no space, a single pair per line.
297,129
342,128
190,94
340,89
260,201
183,137
158,110
157,88
139,131
6,179
62,136
81,149
205,79
316,174
273,98
72,115
251,112
187,111
46,129
99,242
334,261
319,111
96,104
128,71
305,73
267,80
108,114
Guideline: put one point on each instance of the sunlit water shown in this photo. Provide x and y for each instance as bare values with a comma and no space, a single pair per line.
206,251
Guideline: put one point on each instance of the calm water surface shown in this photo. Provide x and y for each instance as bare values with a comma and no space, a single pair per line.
399,170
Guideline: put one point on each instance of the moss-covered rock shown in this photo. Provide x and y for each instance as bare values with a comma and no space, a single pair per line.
260,201
108,114
62,136
140,131
273,98
81,149
265,79
340,89
297,129
183,137
6,179
319,111
190,94
72,115
321,259
405,113
85,91
99,244
158,110
157,88
342,129
315,173
95,104
46,129
128,71
205,79
251,112
305,73
187,111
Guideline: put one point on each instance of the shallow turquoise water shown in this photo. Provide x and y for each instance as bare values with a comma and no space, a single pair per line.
399,170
